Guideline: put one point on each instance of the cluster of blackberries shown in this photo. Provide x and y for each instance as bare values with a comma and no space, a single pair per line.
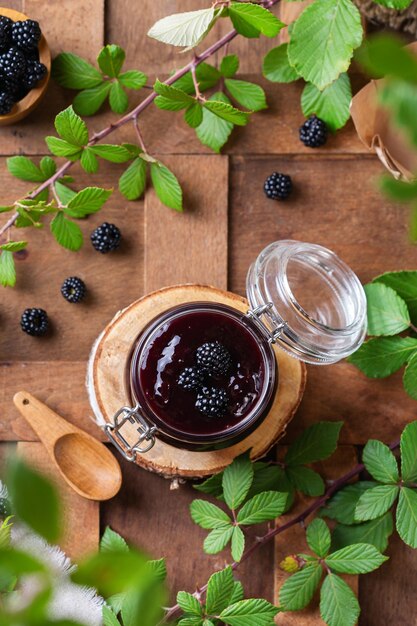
104,239
213,360
20,68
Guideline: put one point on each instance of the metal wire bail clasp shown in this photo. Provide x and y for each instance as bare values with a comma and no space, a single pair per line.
146,432
255,316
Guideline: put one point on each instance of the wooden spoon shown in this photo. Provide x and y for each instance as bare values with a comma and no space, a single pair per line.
84,462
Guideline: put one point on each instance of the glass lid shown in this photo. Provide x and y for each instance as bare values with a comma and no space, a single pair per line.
311,302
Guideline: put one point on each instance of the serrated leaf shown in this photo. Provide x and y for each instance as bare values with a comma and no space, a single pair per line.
158,569
71,127
183,29
194,115
65,194
59,147
166,186
375,502
338,604
219,591
229,65
380,462
323,39
404,283
218,539
375,532
387,312
189,603
115,154
212,486
248,18
118,99
173,94
382,356
306,480
248,95
47,166
112,541
168,105
267,478
14,246
332,104
192,620
67,233
410,376
298,590
316,443
263,507
341,507
227,112
408,447
89,101
87,201
109,618
360,558
208,515
237,480
133,79
276,66
406,521
7,269
6,209
73,72
133,180
207,77
238,543
111,59
89,161
24,168
252,612
214,131
237,593
318,537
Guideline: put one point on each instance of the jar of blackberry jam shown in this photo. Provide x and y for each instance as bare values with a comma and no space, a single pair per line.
203,375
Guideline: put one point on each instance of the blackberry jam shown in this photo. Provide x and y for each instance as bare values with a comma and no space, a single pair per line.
169,345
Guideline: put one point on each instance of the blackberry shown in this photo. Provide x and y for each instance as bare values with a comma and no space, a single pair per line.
34,72
212,402
106,238
213,358
278,186
11,84
12,63
5,31
6,102
26,35
191,378
34,322
5,508
313,133
73,289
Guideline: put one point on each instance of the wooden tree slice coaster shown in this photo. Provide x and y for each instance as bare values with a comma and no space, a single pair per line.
107,385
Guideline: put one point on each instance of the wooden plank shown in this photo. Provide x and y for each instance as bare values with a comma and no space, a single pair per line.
293,540
81,516
189,247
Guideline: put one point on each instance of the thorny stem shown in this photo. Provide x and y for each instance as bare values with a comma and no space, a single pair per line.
134,113
298,519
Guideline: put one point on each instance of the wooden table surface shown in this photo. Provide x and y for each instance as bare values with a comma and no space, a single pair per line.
227,222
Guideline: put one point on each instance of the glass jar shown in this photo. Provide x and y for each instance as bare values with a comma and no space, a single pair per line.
302,298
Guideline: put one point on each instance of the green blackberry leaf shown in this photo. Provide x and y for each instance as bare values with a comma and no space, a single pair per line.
375,502
276,66
207,77
410,376
359,558
64,193
208,515
71,128
14,246
404,283
306,480
87,201
192,620
341,507
384,55
375,532
89,161
402,191
212,486
323,39
133,79
214,131
249,19
89,101
168,105
237,480
219,591
262,508
7,269
109,152
252,612
218,539
338,604
315,444
238,543
194,115
118,99
398,5
111,59
387,312
380,462
47,166
24,168
406,521
298,590
318,537
62,148
67,233
6,209
189,603
173,94
227,112
332,104
237,593
401,98
183,29
158,569
408,447
247,94
133,180
267,478
71,71
112,541
109,618
229,65
382,356
166,186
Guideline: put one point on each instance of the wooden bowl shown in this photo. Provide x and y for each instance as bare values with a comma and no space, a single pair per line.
22,108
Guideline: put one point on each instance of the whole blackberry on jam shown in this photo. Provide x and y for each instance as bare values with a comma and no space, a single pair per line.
26,34
313,133
12,63
5,31
34,72
212,402
214,358
191,378
6,102
278,186
73,289
34,322
106,238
